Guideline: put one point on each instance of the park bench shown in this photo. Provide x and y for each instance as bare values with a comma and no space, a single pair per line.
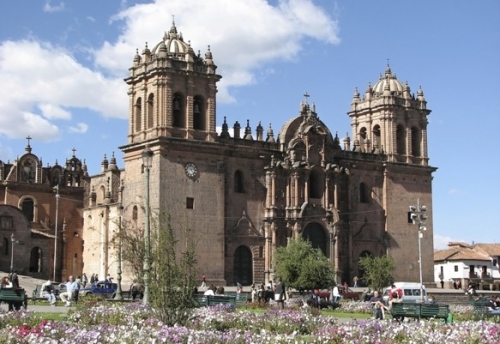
482,310
420,311
35,296
210,300
14,297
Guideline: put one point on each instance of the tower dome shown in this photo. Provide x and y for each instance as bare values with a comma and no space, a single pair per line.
172,45
388,82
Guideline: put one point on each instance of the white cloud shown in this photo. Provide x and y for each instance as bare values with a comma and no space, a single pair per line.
80,128
243,36
43,83
441,242
454,191
48,7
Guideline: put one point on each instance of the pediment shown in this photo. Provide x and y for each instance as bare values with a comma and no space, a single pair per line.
245,227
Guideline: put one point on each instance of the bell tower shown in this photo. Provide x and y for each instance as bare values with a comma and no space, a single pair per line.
390,120
172,92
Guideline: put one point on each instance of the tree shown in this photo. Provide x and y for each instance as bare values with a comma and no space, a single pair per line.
303,267
173,274
378,271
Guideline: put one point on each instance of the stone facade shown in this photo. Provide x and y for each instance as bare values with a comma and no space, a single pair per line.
246,194
36,201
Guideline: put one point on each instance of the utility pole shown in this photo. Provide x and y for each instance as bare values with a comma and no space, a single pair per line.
418,217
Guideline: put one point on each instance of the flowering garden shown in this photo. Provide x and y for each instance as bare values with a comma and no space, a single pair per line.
100,322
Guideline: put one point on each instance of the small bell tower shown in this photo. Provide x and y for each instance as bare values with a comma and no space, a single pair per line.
389,120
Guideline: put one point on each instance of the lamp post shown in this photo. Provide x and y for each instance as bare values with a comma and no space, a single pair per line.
147,160
118,295
56,188
13,240
418,217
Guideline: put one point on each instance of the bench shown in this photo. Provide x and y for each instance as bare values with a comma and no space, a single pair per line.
419,311
210,300
482,310
14,297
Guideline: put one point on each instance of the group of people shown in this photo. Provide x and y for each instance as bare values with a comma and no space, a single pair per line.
70,294
395,296
276,291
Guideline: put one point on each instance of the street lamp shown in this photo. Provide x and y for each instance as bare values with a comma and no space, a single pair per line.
418,217
13,240
147,161
56,188
118,295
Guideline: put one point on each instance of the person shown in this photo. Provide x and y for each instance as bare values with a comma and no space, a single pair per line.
84,280
92,279
355,280
6,282
442,284
379,307
47,292
67,296
492,306
133,290
203,281
335,294
109,278
14,278
209,291
239,288
395,295
279,293
253,293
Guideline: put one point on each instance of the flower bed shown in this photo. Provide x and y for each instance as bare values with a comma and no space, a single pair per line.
134,323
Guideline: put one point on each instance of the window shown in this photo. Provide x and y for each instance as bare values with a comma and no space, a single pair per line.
400,140
6,222
455,267
150,104
495,262
28,208
138,114
316,184
134,213
189,203
364,193
198,114
238,182
177,105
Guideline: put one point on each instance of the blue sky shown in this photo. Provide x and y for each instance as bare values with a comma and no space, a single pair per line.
62,65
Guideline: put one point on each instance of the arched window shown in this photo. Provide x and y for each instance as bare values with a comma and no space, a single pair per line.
364,193
362,134
151,99
238,182
134,213
177,111
138,114
400,140
28,208
316,184
415,141
198,114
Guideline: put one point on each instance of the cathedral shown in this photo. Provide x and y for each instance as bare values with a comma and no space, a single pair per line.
245,191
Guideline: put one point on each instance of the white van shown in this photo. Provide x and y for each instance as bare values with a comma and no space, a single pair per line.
411,292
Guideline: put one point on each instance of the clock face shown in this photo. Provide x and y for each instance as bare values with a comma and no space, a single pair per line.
191,170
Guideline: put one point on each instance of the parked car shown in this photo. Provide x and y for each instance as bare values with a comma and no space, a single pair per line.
105,288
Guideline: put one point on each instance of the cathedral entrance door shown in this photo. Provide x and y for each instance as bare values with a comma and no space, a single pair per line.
243,269
315,234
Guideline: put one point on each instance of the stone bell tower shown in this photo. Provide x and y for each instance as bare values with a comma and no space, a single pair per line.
172,92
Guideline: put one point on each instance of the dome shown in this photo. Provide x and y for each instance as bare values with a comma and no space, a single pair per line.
388,82
172,45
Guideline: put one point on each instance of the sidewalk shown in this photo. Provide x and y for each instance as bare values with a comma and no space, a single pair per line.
41,308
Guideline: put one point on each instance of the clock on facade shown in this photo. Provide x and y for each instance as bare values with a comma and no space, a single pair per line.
191,170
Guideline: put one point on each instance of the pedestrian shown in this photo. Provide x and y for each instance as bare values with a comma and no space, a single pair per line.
14,279
279,293
355,280
67,296
203,281
84,280
92,279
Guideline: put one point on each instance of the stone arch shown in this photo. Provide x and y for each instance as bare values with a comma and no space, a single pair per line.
416,140
150,110
400,140
178,118
138,114
29,207
199,113
316,235
243,266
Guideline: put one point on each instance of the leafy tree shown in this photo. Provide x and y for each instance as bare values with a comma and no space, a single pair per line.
303,267
173,274
378,271
132,248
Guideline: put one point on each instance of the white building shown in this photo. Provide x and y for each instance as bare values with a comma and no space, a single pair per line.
466,263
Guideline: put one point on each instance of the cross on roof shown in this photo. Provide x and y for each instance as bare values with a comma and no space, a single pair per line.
306,95
28,138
